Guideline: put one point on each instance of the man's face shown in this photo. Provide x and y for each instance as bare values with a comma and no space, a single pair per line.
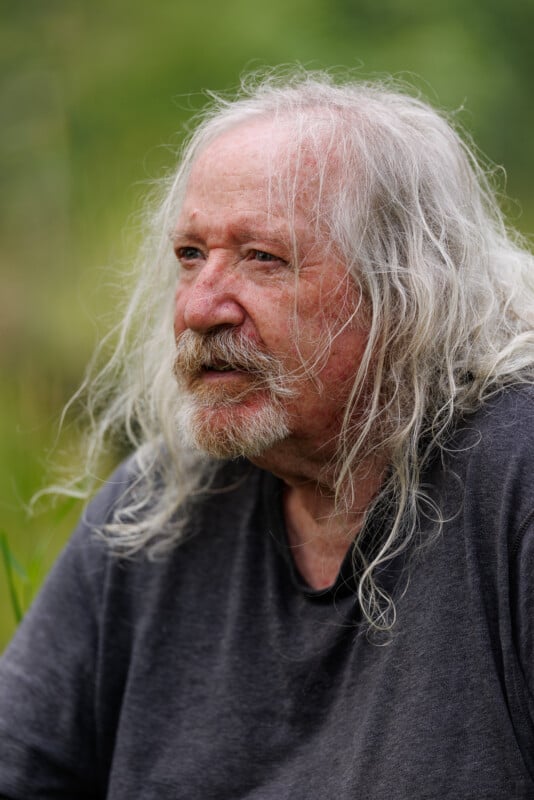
283,343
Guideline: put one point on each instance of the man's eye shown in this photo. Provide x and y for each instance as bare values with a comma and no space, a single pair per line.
262,256
187,254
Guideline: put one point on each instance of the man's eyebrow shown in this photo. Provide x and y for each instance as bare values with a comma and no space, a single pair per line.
240,233
245,233
184,236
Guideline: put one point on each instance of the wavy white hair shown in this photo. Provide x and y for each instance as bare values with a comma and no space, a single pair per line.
449,292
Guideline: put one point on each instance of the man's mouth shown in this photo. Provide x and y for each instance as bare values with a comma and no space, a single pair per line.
220,367
213,368
222,363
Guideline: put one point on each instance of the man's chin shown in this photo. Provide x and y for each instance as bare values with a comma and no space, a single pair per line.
233,431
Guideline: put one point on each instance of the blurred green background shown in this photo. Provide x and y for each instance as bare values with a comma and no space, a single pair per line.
93,97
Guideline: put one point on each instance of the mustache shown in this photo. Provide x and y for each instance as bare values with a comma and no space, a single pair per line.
226,348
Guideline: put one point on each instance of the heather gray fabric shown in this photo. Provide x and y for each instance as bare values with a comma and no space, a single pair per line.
216,674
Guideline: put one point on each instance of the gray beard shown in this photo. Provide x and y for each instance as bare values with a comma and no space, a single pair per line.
231,430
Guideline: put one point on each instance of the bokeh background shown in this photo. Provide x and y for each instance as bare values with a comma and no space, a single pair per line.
94,95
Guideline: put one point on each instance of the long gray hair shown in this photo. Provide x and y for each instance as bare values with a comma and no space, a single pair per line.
448,289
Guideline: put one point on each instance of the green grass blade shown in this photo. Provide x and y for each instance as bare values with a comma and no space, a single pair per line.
8,560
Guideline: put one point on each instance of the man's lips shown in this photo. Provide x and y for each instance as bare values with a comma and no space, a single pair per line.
221,372
218,368
230,362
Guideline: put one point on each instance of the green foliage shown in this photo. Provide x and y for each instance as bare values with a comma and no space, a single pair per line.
12,567
26,559
94,97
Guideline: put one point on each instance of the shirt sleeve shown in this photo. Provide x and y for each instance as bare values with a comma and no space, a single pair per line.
520,683
48,678
523,602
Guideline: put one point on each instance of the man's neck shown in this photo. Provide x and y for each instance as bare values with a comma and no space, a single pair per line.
319,535
318,539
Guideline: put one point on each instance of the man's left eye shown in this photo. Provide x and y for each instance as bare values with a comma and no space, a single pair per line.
188,253
261,255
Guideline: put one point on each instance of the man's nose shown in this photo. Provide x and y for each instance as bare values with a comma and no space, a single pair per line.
211,299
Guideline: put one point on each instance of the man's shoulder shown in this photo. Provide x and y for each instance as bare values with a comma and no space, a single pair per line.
134,488
490,459
508,407
486,465
503,423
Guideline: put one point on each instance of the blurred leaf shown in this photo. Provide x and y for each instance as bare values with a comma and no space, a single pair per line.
9,564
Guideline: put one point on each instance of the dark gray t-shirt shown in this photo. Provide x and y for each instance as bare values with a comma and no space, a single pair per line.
216,673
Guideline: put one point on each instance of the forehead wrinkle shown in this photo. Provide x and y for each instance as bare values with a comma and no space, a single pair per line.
238,231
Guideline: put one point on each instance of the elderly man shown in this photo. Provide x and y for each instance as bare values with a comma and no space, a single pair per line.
313,579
